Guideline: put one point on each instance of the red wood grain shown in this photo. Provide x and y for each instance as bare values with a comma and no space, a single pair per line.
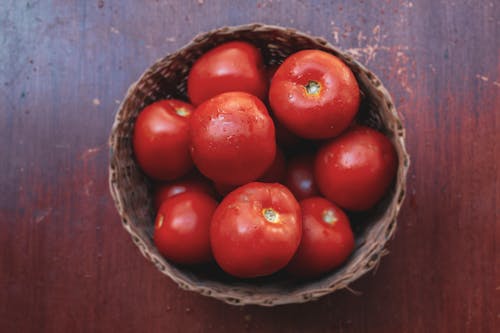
66,264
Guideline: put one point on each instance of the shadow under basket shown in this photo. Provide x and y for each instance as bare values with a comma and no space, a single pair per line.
131,189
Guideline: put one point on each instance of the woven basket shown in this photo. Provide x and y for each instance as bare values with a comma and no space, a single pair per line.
131,190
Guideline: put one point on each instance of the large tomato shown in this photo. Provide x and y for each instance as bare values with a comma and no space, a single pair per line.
182,228
161,139
300,176
356,169
233,66
163,191
232,138
327,239
314,94
256,230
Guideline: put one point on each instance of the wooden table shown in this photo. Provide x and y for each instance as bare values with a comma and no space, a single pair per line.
66,264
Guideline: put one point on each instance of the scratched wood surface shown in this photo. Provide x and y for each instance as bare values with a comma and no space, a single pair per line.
66,264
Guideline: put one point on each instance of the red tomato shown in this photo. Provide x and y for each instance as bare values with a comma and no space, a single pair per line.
356,169
300,177
327,239
276,172
161,139
233,66
314,94
232,138
164,191
256,230
182,228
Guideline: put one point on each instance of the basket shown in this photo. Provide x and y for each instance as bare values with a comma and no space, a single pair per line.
131,189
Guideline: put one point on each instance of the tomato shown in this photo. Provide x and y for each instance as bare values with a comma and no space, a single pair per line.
232,138
327,239
356,169
161,139
182,228
300,176
233,66
187,184
314,94
276,172
256,230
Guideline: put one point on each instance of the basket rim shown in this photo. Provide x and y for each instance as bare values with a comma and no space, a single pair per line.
231,293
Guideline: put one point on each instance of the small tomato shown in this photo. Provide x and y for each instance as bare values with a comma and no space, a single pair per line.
232,66
182,228
356,169
327,239
161,139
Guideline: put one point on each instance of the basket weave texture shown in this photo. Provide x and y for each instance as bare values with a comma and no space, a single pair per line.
131,190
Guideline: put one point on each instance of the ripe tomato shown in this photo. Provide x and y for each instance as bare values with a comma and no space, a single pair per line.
356,169
300,177
276,172
232,138
233,66
190,183
161,139
314,94
327,239
256,230
182,228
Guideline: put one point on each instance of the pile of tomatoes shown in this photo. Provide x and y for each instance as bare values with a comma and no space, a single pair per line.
257,170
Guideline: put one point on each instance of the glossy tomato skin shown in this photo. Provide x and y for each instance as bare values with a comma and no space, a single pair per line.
232,138
256,230
327,239
161,139
314,94
300,176
356,169
190,183
233,66
182,228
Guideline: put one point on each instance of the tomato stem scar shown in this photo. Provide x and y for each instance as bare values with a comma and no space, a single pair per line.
329,216
270,215
182,112
313,87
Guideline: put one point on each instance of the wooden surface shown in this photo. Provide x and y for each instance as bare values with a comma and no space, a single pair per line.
66,264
